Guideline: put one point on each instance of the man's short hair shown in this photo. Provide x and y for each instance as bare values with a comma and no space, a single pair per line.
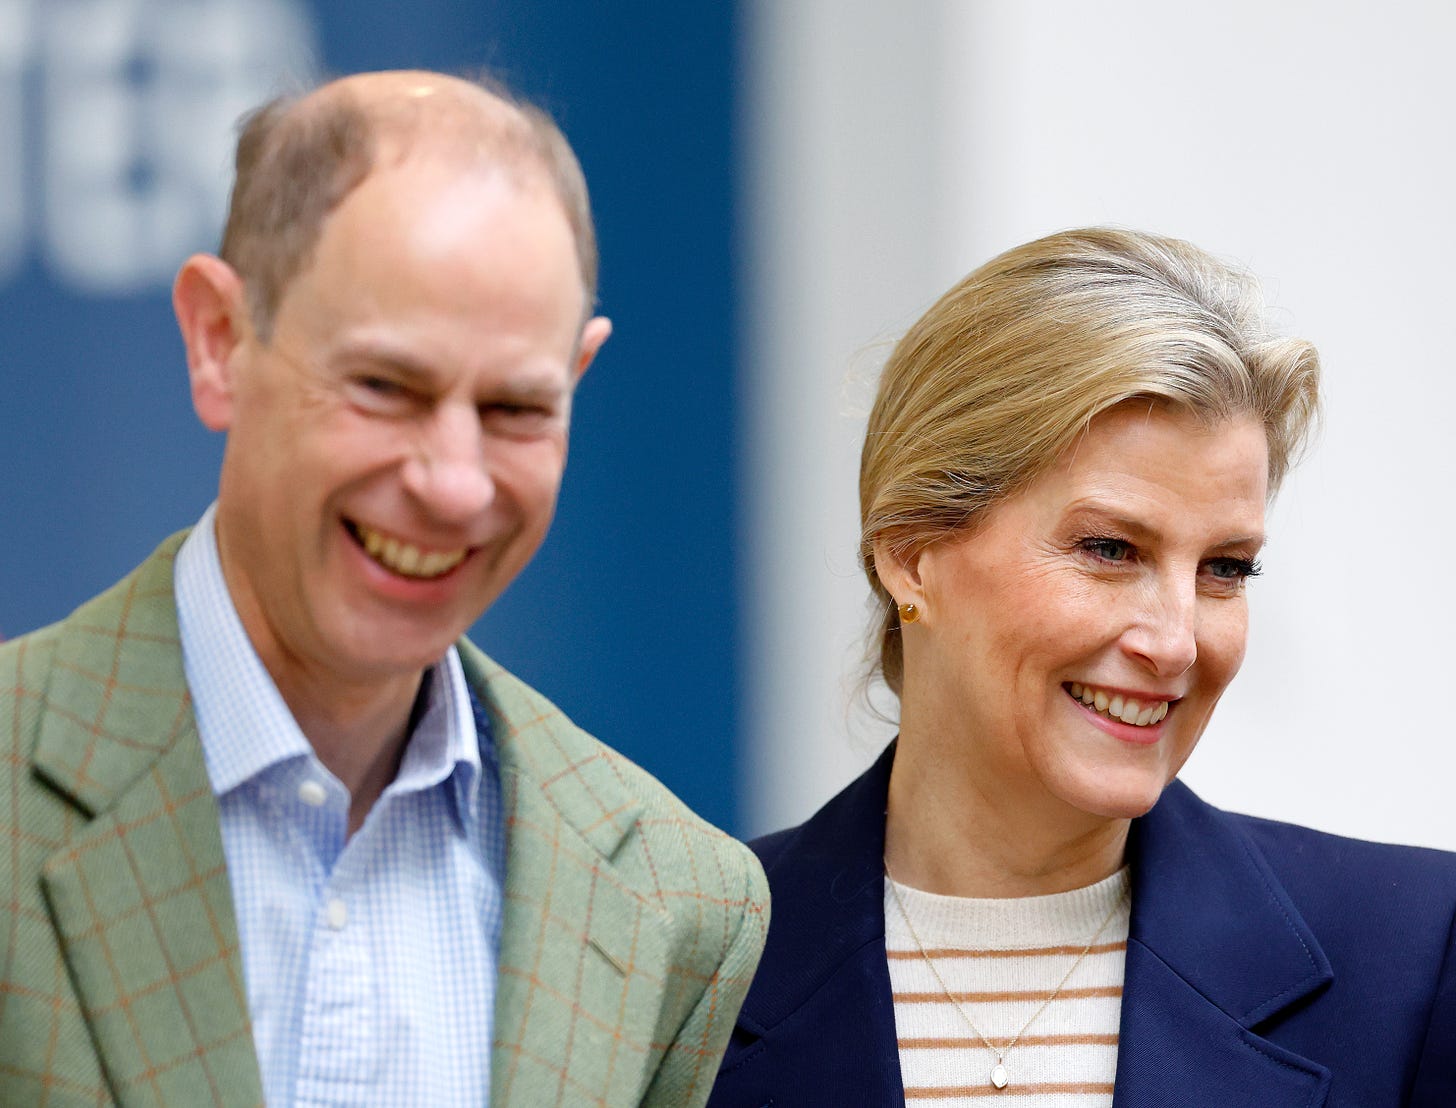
299,156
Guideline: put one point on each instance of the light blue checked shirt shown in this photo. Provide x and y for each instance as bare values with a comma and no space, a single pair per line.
370,962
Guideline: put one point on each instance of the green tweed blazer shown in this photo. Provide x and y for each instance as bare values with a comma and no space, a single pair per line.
631,927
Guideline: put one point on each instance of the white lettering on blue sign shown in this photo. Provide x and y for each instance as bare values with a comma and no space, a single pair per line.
14,48
116,124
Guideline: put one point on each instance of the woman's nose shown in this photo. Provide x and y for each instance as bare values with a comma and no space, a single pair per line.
1164,634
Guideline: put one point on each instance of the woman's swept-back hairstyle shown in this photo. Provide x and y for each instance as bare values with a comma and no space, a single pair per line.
1001,376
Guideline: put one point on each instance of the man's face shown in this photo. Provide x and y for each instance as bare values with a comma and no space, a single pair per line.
395,449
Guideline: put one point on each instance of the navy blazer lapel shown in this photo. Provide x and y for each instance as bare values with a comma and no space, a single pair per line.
822,995
1215,951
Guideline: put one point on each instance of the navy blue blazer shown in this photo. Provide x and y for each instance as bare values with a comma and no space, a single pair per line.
1267,966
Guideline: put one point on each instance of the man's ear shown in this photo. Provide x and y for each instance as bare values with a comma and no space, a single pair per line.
899,571
212,315
597,330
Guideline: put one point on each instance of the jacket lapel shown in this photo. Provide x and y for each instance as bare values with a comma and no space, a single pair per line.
139,895
819,1023
584,957
1215,951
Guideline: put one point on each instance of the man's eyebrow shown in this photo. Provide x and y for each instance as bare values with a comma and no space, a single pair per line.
526,385
410,370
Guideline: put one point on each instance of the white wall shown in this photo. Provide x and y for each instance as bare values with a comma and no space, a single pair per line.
1309,141
830,87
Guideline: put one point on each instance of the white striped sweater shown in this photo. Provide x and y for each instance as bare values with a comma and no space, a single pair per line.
1001,959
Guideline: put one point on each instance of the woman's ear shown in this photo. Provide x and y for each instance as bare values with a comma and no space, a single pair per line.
212,315
898,569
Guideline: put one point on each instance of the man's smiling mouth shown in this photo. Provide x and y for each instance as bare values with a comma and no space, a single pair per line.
1124,709
404,558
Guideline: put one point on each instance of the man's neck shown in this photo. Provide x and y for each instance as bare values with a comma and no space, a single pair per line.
358,732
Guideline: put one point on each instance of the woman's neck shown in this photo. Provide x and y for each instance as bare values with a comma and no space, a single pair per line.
949,831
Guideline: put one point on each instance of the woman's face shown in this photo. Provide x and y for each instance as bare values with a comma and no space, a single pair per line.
1074,645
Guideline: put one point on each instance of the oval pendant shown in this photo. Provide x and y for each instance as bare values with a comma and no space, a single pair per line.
999,1077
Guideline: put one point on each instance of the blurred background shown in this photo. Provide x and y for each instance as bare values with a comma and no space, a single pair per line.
781,187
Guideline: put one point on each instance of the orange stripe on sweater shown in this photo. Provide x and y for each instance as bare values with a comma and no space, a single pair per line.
939,997
939,954
932,1092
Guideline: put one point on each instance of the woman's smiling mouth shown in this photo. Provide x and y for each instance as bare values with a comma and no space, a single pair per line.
1124,709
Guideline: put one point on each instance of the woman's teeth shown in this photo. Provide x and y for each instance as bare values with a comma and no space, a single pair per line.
406,559
1116,706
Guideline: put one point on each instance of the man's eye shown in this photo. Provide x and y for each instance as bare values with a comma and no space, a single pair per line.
517,415
380,394
380,386
1108,550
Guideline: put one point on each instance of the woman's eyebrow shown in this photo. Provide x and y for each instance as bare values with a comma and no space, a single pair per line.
1108,515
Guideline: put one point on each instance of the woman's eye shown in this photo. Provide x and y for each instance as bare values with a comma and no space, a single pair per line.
1108,550
1234,569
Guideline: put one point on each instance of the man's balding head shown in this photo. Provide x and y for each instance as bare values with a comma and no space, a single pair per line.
299,157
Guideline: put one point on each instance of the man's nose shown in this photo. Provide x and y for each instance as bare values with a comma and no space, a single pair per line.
447,473
1164,633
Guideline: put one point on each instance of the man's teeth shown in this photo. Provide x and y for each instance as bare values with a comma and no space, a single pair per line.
1115,706
406,559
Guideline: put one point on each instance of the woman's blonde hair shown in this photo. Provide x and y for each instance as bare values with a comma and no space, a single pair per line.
1000,377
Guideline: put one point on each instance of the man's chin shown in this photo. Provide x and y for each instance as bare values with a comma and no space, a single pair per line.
385,652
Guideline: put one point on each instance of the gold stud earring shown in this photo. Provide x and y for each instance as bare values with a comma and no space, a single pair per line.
909,613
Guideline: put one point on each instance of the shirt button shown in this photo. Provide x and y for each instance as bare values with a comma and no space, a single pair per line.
337,913
312,794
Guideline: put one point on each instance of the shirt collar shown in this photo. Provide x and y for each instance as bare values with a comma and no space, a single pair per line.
244,724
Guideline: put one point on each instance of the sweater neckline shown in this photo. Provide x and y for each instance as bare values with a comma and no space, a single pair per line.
1010,923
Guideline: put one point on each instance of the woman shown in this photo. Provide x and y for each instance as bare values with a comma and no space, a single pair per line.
1062,495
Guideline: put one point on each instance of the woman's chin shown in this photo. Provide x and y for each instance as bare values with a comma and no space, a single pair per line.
1121,797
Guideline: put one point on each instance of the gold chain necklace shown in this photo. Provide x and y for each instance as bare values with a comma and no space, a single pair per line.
999,1077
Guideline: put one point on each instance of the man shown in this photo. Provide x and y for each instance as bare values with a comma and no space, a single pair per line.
271,826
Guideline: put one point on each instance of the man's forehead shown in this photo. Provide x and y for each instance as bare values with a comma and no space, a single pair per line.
432,192
406,110
429,210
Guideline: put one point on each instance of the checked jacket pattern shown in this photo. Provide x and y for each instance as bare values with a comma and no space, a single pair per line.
631,927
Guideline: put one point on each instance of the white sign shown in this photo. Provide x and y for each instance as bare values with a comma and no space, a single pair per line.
117,120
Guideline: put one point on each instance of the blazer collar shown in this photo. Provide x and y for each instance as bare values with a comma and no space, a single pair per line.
572,917
1216,952
828,881
533,739
1208,905
117,697
821,997
139,894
